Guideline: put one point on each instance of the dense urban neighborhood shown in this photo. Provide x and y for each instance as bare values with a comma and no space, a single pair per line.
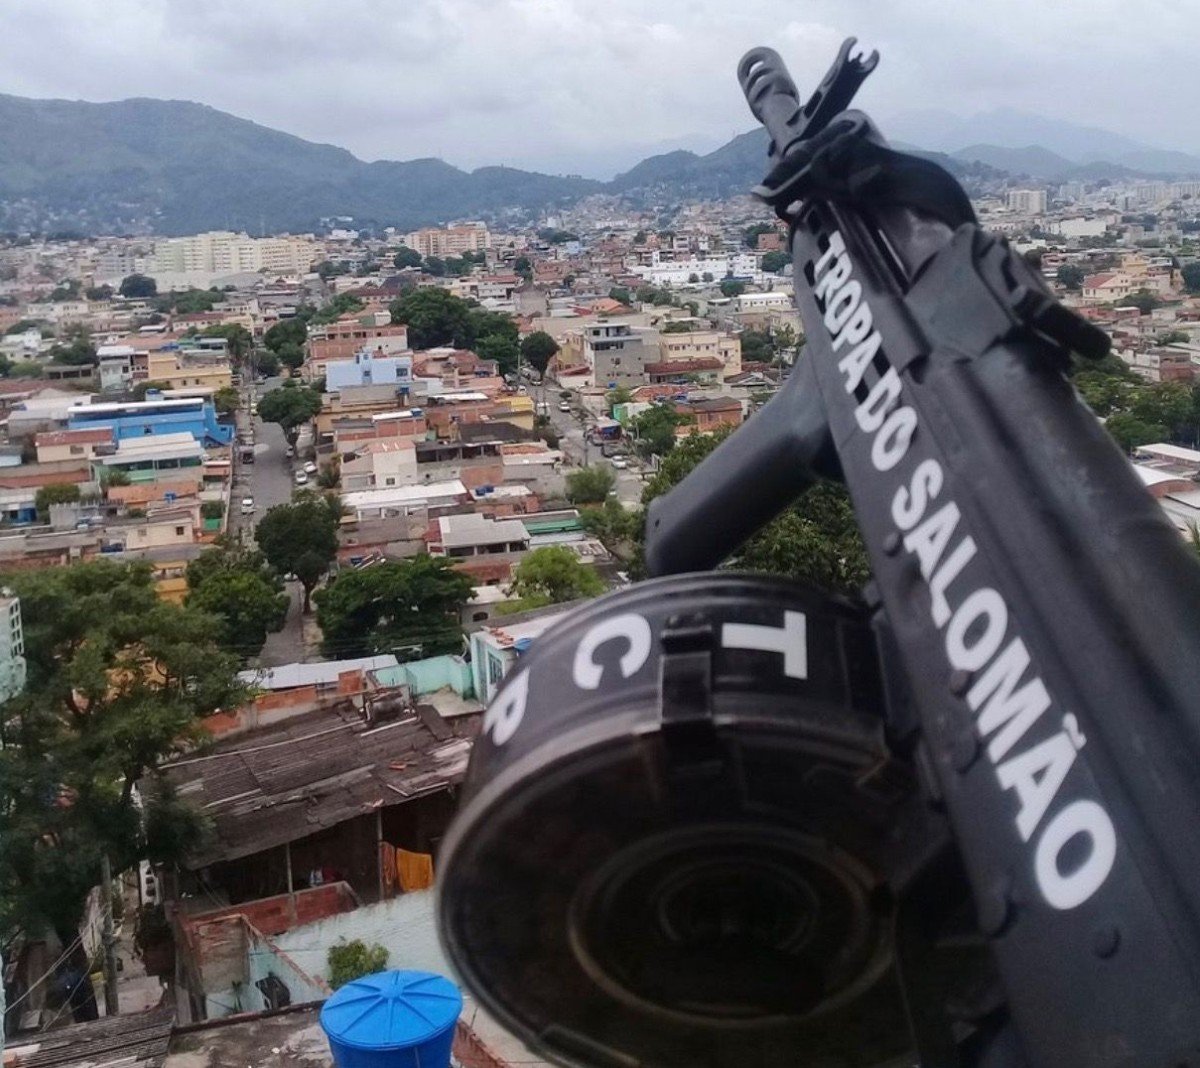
278,514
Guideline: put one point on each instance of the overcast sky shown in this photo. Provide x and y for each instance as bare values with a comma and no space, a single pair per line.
591,86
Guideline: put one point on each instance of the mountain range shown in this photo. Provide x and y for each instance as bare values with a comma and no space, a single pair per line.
175,167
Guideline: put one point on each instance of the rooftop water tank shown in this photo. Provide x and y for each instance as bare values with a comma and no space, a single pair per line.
394,1019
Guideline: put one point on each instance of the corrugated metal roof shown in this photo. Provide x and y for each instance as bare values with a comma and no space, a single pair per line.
315,771
139,1040
289,676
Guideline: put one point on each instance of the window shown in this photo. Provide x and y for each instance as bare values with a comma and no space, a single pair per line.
76,450
180,531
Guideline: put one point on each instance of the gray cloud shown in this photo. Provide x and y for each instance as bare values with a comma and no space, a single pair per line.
592,85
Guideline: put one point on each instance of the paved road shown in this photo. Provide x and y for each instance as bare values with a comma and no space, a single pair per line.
579,453
269,481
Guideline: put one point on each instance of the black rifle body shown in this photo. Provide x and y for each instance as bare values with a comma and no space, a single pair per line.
1045,614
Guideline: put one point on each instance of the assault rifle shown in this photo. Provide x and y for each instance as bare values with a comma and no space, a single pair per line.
725,820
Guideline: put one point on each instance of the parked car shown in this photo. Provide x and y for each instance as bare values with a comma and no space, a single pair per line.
564,406
289,452
619,462
310,468
247,505
301,478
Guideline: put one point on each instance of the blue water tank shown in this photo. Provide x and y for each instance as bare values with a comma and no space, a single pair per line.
393,1020
522,645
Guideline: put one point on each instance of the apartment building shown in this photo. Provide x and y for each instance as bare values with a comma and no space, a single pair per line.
226,252
341,339
12,646
1026,201
450,241
702,345
615,353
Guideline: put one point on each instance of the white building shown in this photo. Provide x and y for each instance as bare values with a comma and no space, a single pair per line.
12,646
1026,201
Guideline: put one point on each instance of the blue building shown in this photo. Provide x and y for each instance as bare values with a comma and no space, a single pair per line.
155,415
368,368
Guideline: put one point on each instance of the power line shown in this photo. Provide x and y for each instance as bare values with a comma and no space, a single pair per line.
46,974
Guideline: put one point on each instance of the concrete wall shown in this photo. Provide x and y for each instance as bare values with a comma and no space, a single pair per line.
405,925
426,676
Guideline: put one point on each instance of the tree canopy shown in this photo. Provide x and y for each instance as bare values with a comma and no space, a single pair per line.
731,287
654,430
293,331
300,538
406,257
590,485
538,349
118,681
402,607
290,406
433,316
553,574
816,540
236,585
138,285
775,262
1070,276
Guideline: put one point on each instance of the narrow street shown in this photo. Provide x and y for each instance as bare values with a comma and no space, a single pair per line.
269,480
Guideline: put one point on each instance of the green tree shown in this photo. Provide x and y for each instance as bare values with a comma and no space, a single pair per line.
225,400
816,540
433,316
621,295
26,369
138,285
1167,404
393,607
613,524
1143,300
80,352
1070,276
1129,431
482,323
118,682
654,430
554,574
750,234
290,355
300,538
236,587
266,363
731,287
238,340
98,292
435,266
293,331
56,493
590,485
503,350
1191,276
523,267
290,406
775,262
707,276
620,395
342,304
406,257
538,349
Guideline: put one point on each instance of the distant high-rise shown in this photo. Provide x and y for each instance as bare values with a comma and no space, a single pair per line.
225,252
12,646
452,241
1026,201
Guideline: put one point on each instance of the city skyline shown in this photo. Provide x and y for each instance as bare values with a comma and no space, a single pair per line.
602,87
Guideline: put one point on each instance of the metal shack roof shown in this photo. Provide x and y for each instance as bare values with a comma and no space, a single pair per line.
315,771
289,676
138,1040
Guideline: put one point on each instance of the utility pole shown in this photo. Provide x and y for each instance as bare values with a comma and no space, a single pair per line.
110,956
